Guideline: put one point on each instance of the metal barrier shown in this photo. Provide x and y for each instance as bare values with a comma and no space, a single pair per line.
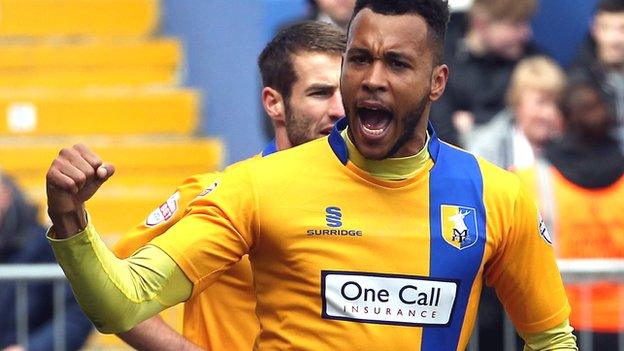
572,271
21,274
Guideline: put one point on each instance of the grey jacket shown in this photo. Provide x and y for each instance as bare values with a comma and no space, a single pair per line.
494,141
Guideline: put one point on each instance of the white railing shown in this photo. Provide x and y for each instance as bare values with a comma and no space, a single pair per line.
21,274
572,271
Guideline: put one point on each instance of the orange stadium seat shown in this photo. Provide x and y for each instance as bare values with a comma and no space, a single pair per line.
99,111
92,63
25,18
147,171
93,72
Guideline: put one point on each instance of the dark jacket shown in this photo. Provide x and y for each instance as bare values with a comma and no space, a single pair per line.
476,83
22,240
588,164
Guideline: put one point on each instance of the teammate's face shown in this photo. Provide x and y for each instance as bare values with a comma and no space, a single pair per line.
608,31
315,103
388,82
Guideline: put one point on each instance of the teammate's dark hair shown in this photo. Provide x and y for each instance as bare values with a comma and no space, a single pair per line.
435,13
611,6
276,60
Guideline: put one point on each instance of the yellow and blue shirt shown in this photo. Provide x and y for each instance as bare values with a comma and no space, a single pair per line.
223,316
343,260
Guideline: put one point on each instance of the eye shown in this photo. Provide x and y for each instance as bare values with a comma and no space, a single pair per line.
320,93
398,64
359,59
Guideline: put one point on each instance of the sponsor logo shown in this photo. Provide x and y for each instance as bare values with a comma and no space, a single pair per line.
209,189
459,226
164,212
333,217
338,232
387,298
543,230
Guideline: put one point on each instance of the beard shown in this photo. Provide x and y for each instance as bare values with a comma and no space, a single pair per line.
411,123
298,128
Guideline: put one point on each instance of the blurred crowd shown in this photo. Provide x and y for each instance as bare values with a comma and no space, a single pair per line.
561,129
558,128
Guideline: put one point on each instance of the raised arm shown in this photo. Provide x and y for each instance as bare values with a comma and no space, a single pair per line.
118,294
115,294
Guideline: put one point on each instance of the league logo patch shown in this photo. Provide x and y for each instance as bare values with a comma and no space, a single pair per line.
543,230
164,212
459,226
209,189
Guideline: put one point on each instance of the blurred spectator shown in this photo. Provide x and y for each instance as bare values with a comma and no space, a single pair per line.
482,49
601,57
22,240
580,186
516,135
337,12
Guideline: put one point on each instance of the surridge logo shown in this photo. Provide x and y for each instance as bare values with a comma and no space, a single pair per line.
333,220
459,226
333,217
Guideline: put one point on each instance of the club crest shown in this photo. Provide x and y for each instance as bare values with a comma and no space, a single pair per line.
459,226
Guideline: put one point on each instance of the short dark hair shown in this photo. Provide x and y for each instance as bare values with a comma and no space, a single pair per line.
577,85
435,13
611,6
276,60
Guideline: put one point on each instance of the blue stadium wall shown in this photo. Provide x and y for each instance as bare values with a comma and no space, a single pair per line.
223,38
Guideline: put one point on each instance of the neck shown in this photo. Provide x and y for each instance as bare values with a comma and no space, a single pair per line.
392,169
281,138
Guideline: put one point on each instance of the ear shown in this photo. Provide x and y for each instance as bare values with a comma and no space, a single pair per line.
273,104
439,77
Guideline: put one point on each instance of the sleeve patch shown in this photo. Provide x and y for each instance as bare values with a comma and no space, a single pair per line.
543,230
164,212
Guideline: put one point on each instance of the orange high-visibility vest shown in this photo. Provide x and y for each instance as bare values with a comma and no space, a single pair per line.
584,223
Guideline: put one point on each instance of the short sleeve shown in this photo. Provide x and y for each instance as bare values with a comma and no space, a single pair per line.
165,215
524,272
219,227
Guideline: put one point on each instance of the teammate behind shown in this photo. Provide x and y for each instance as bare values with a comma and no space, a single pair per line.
417,224
300,71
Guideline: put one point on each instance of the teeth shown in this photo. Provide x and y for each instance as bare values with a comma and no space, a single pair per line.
373,132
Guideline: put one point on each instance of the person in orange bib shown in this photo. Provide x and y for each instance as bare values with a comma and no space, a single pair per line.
580,186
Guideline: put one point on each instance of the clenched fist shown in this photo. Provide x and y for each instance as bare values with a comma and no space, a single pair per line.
74,176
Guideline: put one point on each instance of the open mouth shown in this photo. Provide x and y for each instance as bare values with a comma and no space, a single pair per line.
374,118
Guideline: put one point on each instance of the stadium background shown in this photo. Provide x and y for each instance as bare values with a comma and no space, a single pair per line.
162,89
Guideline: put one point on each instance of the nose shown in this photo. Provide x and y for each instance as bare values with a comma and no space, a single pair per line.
375,78
336,109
